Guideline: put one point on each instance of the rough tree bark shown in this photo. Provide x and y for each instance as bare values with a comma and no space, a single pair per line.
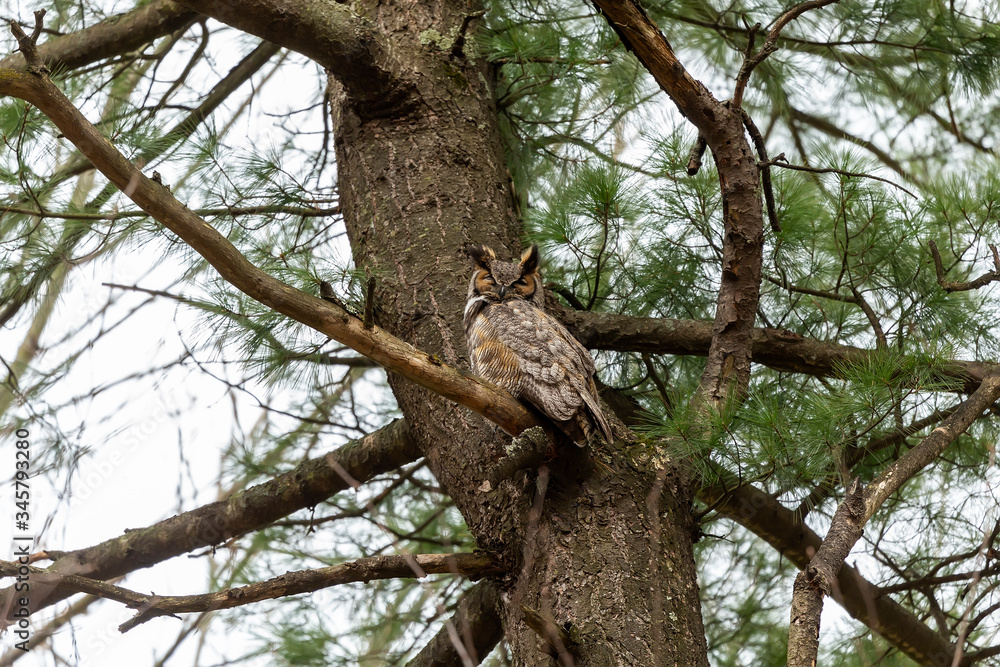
601,571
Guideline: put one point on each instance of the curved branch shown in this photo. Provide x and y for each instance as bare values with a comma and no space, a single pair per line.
330,33
291,583
976,283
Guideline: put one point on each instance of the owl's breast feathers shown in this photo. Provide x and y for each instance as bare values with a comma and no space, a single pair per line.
523,349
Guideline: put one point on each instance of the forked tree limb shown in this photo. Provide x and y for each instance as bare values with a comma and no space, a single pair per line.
976,283
861,502
770,45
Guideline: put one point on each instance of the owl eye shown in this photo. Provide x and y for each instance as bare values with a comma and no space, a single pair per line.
521,282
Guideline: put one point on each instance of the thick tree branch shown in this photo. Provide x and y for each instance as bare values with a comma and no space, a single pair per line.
307,485
111,37
779,349
861,502
475,565
330,33
383,348
476,627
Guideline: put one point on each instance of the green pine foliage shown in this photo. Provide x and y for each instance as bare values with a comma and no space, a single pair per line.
598,162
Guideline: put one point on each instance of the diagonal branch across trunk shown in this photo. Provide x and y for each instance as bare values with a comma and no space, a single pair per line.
328,318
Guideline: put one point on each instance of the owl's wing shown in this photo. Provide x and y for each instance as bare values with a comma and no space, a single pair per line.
554,371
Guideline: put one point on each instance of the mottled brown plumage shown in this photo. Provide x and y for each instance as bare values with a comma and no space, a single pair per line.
516,345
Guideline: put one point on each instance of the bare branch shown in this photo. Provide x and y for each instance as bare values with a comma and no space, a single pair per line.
26,44
832,130
951,286
770,44
779,161
822,294
264,209
291,583
765,171
696,155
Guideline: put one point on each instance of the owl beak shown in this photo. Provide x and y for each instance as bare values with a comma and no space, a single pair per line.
502,291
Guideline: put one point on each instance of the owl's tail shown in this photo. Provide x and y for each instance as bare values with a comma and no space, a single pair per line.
596,415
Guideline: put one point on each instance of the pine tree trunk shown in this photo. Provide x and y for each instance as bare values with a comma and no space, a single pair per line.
607,557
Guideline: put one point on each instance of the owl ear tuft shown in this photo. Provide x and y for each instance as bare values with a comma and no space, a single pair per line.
529,260
482,255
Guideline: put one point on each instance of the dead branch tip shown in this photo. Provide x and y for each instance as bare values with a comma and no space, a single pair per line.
27,45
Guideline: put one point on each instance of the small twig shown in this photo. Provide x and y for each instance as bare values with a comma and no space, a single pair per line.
765,169
784,284
654,377
27,45
952,286
752,31
881,342
369,320
565,293
697,152
770,45
456,49
779,161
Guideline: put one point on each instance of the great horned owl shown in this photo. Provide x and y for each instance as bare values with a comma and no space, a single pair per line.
516,345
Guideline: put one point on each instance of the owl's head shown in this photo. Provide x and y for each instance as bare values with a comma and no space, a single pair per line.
496,281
